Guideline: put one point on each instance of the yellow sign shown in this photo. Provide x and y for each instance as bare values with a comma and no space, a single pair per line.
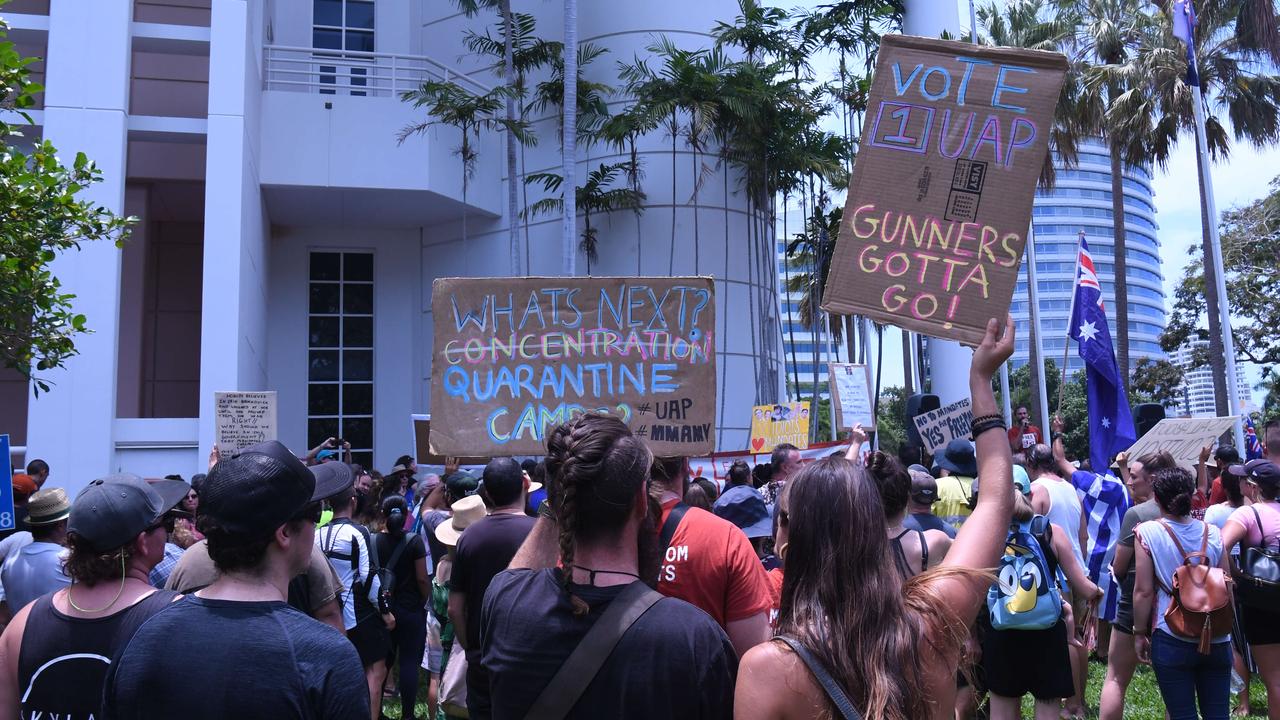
772,425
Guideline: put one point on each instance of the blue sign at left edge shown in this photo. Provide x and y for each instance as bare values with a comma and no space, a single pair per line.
7,519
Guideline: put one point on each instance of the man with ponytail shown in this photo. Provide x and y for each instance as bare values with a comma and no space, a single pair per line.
595,544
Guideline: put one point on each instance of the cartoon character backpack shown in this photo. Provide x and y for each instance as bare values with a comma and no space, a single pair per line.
1025,595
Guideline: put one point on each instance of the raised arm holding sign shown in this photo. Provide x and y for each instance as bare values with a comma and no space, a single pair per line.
938,208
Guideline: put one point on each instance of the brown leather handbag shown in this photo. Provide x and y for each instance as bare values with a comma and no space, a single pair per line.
1201,606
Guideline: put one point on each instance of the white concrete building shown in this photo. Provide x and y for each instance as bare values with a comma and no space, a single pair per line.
286,240
1197,395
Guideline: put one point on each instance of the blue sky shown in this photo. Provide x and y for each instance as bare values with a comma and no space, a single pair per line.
1239,181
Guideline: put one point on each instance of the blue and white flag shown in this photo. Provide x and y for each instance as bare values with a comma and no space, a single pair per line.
1184,28
1111,427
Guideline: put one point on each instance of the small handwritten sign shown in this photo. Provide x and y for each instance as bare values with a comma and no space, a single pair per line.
1181,437
851,393
244,419
938,208
515,357
773,425
941,426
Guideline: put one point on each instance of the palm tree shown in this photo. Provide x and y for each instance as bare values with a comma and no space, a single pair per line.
622,131
448,103
592,97
1236,50
528,53
595,196
1035,25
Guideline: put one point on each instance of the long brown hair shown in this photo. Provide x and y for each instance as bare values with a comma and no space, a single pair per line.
595,467
843,598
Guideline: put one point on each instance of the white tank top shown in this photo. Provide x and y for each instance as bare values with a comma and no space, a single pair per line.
1064,510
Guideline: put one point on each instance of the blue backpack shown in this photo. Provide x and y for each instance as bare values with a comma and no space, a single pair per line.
1025,595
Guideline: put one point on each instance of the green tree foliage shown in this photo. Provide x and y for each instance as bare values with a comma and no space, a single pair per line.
40,217
891,419
1250,255
1156,381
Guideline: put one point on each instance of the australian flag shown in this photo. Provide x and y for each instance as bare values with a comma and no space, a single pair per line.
1183,15
1110,422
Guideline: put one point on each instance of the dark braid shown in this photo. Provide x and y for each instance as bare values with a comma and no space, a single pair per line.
595,467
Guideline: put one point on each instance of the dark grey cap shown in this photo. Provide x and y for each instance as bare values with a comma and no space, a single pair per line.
111,511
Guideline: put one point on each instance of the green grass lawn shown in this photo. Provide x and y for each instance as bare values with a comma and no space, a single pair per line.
1142,703
1143,699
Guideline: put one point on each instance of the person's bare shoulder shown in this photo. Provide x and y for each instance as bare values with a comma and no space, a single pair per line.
774,683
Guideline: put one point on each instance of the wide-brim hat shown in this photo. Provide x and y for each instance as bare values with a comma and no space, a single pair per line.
466,512
957,457
48,506
332,478
744,506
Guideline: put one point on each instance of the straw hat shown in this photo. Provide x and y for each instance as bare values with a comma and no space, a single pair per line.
466,512
48,507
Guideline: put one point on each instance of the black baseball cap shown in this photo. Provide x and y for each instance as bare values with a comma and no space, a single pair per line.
1260,471
110,512
461,484
171,492
264,486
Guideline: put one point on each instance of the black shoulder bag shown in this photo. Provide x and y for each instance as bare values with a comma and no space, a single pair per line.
1257,578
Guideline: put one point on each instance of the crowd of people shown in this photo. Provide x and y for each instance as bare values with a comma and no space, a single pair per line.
602,582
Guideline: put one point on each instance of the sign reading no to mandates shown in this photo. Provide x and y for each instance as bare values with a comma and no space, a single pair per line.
515,357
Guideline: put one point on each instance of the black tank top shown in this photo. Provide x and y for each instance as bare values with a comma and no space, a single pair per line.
900,554
63,661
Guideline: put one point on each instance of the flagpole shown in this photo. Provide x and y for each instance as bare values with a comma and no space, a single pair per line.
1034,297
1215,244
1071,311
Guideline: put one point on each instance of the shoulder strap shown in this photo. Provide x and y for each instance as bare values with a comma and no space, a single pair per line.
924,551
395,554
828,683
1186,557
669,527
584,663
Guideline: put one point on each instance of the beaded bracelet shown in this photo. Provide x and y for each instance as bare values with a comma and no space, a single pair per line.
982,425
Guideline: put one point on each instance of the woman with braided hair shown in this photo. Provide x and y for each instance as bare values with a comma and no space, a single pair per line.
673,662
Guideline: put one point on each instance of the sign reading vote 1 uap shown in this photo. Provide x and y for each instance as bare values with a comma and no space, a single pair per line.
940,200
515,357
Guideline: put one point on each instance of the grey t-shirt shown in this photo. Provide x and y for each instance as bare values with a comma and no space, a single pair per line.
250,660
1135,516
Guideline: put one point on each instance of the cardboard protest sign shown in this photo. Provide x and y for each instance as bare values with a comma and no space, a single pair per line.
1181,437
8,521
941,426
940,201
422,446
772,425
851,393
244,419
515,357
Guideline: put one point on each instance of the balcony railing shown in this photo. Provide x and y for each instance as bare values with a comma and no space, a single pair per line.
364,74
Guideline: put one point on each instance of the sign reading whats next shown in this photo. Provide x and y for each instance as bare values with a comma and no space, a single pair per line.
940,201
515,357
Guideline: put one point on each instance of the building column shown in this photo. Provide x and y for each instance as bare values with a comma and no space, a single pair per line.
948,360
86,110
233,353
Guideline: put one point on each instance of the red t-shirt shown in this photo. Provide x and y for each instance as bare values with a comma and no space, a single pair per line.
711,564
1020,439
775,594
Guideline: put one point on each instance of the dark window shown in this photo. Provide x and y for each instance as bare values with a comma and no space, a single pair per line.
340,351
